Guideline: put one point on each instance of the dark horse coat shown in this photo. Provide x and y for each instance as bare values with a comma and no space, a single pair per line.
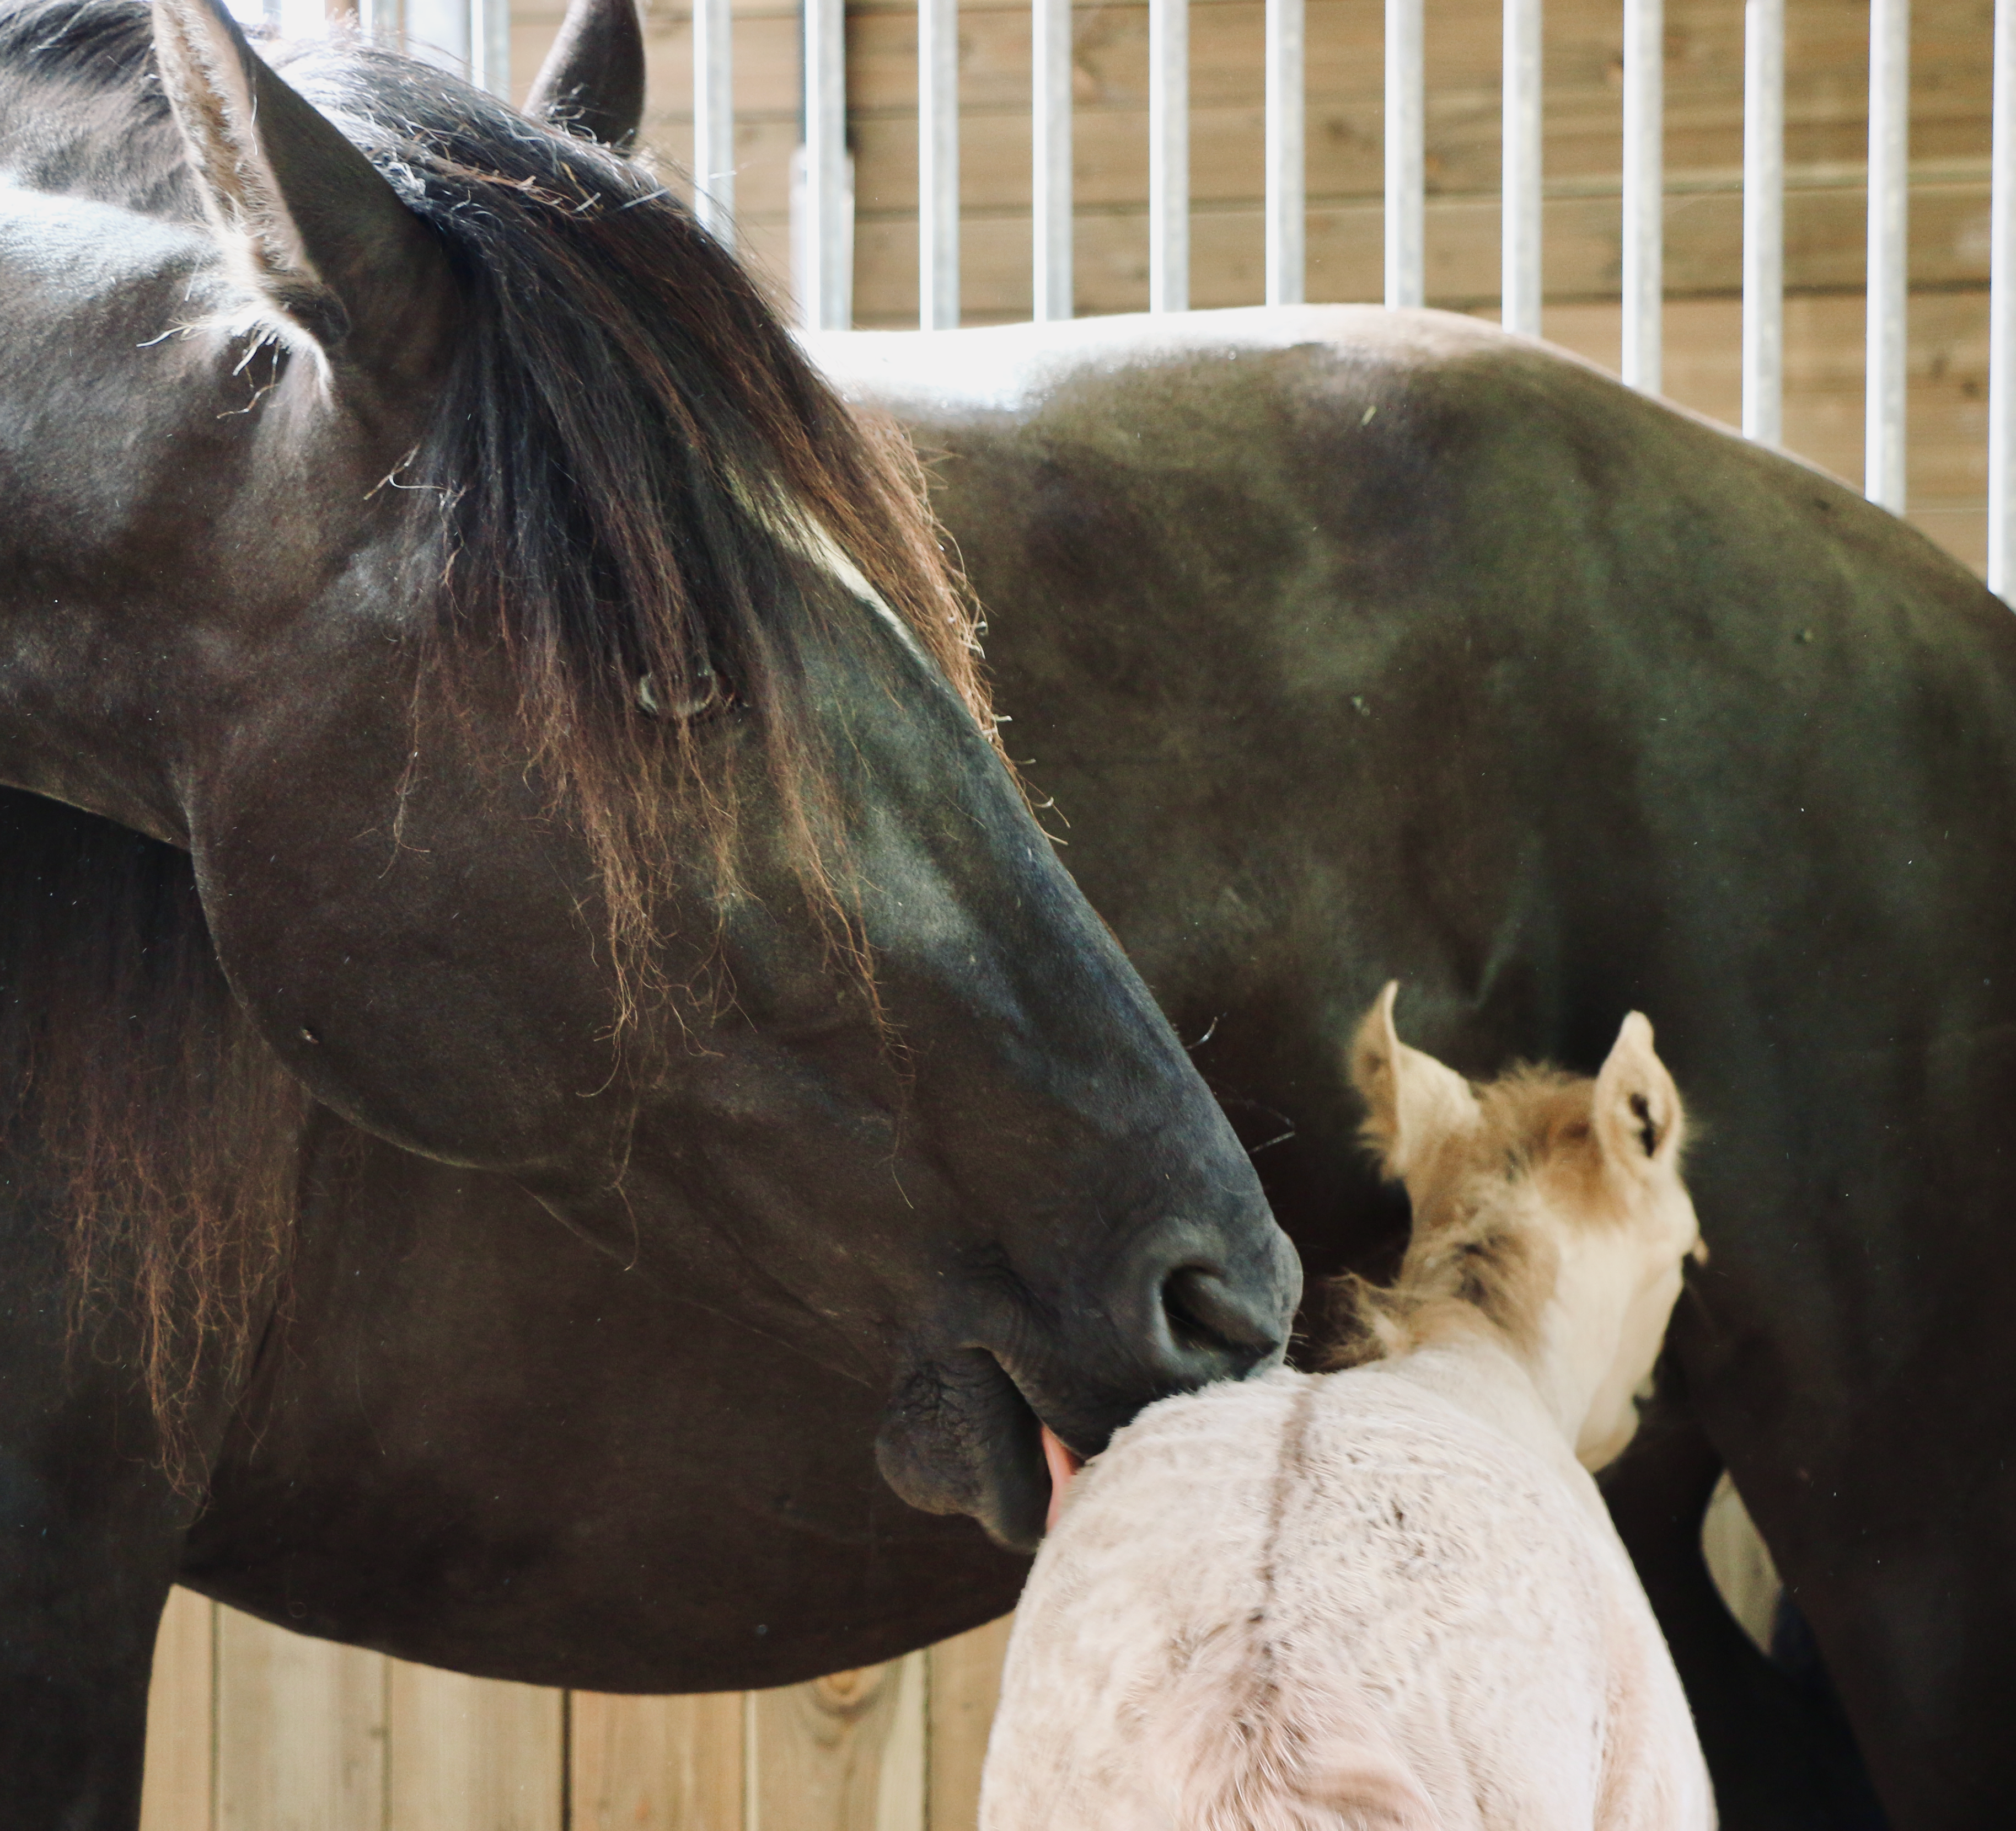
1354,645
545,1067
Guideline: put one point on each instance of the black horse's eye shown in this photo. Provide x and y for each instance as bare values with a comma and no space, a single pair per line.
707,694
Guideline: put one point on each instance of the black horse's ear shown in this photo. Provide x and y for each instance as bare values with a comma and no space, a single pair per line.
593,78
324,236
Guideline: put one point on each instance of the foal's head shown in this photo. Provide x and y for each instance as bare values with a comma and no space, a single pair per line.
1549,1205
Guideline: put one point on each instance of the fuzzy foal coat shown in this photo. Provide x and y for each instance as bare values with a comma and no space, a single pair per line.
1388,1597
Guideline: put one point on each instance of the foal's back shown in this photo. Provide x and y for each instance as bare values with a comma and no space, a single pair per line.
1360,1604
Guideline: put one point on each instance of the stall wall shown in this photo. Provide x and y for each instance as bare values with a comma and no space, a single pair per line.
1826,111
253,1728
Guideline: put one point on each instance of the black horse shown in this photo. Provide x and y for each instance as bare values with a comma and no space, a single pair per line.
540,1044
1354,645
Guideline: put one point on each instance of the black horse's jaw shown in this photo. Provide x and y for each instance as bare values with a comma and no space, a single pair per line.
958,1436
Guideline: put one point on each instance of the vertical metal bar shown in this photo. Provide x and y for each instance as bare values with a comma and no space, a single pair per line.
1168,155
829,256
490,46
714,119
1287,238
384,22
1520,223
1889,251
937,164
1405,159
1764,221
1050,133
1644,190
2001,309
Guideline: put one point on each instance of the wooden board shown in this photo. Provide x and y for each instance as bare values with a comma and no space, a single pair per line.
256,1729
1946,404
1826,113
300,1732
471,1754
657,1764
965,1686
181,1718
842,1753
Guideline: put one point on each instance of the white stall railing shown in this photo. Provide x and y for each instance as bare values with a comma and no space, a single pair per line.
1764,220
474,32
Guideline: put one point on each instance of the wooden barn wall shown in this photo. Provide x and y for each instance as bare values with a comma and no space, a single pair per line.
255,1729
1826,102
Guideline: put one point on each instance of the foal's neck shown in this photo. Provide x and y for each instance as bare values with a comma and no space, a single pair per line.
1565,1337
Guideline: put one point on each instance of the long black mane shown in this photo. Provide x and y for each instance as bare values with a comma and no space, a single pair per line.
630,472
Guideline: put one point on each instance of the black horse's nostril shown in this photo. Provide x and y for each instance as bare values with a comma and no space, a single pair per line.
1207,1315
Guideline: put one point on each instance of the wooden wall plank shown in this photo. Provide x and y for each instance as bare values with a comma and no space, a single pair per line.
1946,410
471,1754
1824,251
657,1764
301,1730
1826,110
842,1753
181,1718
965,1687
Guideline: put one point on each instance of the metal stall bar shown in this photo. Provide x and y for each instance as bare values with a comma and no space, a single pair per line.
1406,117
714,119
937,164
2001,308
1764,221
1889,252
490,46
827,260
1287,236
1050,131
1644,190
383,22
1168,155
1519,229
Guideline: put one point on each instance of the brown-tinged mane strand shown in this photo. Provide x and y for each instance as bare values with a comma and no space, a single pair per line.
136,1103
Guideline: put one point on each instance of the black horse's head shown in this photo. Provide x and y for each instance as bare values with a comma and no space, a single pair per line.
574,725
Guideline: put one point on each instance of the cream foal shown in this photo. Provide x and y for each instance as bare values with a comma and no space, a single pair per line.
1389,1595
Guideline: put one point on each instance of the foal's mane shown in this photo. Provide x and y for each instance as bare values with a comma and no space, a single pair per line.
632,475
1465,1249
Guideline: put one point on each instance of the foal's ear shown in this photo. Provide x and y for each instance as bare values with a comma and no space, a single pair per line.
327,240
1413,1103
1638,1118
593,78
